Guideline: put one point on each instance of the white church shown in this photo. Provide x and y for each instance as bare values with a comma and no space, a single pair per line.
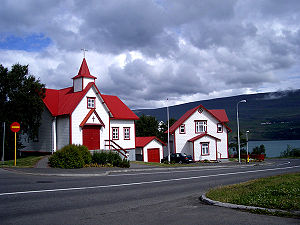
82,115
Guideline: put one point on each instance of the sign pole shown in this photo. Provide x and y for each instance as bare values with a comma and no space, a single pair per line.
15,148
15,127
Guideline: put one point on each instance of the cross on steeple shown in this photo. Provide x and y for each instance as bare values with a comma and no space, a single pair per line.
93,119
84,50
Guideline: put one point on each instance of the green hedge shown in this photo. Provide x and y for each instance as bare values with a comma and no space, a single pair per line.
78,156
70,157
109,158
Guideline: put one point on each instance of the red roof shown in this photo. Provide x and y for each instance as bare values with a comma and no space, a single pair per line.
64,101
143,141
219,114
118,109
84,71
201,136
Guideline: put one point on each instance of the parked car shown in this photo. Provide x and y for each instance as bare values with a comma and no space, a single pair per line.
179,158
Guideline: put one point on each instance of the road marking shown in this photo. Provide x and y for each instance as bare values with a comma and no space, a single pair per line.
145,182
170,171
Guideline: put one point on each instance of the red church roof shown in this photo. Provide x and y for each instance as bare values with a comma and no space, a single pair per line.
143,141
64,102
219,114
119,110
84,71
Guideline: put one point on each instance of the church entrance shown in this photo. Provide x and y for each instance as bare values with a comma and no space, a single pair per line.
91,137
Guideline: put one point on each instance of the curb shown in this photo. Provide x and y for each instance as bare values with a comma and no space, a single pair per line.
209,201
106,173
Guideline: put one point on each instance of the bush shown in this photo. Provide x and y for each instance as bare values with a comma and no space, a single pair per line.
109,158
112,157
124,163
70,157
290,152
261,150
99,158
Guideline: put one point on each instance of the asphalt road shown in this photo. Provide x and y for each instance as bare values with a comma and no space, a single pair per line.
140,197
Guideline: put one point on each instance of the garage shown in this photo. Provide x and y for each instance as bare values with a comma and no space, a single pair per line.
153,155
91,137
149,149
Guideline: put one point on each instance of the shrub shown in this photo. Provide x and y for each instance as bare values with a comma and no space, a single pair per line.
259,150
112,156
290,152
99,158
124,163
70,157
85,154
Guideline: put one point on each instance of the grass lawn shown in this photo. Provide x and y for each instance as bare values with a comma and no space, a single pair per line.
29,161
277,192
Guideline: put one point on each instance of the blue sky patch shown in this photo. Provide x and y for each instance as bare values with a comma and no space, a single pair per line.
30,43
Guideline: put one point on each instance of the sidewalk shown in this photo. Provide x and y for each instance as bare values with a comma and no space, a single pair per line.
42,169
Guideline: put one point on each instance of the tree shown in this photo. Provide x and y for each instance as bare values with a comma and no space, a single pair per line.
149,126
163,128
234,144
146,126
21,97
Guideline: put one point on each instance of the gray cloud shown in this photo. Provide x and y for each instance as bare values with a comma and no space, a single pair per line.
186,48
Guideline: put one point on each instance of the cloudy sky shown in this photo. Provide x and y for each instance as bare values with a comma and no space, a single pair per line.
146,51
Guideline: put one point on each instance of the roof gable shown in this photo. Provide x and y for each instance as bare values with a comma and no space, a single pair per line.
203,135
219,114
89,120
143,141
64,101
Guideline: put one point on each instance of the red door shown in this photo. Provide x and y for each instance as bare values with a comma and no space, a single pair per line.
91,137
153,155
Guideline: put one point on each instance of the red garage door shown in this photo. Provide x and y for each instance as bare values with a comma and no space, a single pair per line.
91,137
153,155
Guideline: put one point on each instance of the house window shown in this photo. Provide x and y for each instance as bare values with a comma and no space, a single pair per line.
220,128
200,126
126,133
204,148
182,129
91,103
115,133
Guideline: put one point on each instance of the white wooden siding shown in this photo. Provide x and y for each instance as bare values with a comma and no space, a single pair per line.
125,144
44,141
62,131
77,84
81,111
153,144
181,140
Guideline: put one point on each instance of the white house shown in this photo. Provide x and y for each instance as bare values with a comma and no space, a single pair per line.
149,149
201,133
82,115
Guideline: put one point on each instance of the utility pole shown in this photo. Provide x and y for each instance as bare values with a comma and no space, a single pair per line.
238,128
3,142
169,153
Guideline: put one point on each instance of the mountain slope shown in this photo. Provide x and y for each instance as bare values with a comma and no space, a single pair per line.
268,116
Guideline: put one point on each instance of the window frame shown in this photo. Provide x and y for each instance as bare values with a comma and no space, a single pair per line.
204,125
94,102
113,137
202,145
182,126
219,125
125,128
